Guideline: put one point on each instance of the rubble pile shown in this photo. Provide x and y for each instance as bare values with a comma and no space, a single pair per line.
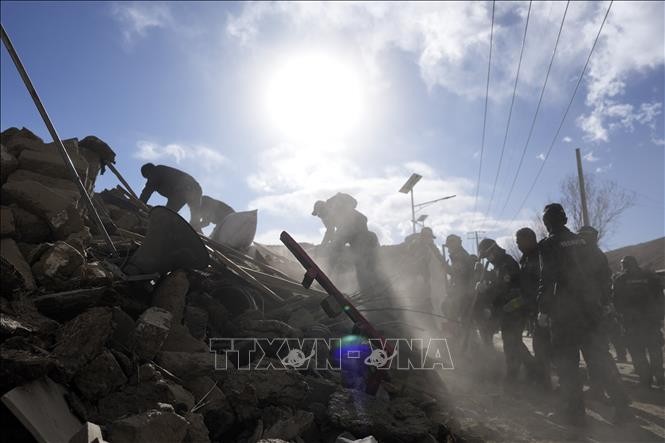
132,357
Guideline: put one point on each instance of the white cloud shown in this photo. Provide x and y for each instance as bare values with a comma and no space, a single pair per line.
178,153
290,179
567,139
450,40
138,18
541,156
604,169
590,157
627,47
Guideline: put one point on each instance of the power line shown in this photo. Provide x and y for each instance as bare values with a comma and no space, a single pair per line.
487,89
510,113
563,119
535,115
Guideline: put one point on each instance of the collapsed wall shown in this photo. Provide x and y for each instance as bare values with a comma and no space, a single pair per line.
130,360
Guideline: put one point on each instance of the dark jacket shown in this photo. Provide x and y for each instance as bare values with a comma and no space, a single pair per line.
171,183
506,287
567,289
638,296
529,277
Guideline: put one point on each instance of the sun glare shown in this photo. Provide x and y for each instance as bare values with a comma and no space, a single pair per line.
314,97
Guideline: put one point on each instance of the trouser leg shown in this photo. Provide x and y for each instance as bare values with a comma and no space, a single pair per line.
515,351
567,358
194,203
655,349
176,203
637,348
542,352
603,370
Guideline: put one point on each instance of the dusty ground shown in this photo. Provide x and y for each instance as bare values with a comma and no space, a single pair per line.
522,414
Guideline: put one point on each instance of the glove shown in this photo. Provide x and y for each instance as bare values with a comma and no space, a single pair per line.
543,320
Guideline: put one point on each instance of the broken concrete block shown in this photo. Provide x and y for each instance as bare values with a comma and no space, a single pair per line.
196,320
170,294
12,255
89,433
180,340
65,187
42,409
60,262
123,328
30,228
292,427
8,163
7,225
56,210
80,340
182,399
197,432
150,332
186,365
364,414
48,161
272,387
80,240
133,399
153,425
99,377
216,409
19,366
15,140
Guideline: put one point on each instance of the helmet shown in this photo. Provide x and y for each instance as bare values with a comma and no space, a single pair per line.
554,215
319,207
146,169
453,241
427,232
485,247
628,262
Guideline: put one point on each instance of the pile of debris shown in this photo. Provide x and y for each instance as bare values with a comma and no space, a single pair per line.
89,352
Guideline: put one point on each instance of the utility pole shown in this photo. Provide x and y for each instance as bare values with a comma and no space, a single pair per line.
474,235
580,176
413,213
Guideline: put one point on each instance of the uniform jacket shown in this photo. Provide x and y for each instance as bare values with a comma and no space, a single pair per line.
638,296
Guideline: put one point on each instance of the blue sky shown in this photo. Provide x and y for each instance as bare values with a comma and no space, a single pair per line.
225,92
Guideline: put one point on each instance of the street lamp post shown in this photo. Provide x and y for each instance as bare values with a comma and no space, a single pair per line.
405,189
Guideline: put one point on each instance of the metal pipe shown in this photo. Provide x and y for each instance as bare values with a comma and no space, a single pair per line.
56,139
122,179
413,213
580,176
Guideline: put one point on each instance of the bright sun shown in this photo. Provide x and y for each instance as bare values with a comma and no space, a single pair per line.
314,97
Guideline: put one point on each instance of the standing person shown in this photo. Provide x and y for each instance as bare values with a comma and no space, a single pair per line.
213,211
527,243
509,306
461,271
177,186
611,324
569,301
639,299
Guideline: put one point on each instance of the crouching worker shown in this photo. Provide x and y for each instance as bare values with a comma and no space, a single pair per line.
213,211
177,186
